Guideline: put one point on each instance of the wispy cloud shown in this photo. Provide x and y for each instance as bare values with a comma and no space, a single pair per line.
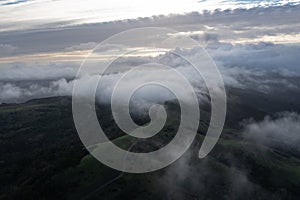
282,130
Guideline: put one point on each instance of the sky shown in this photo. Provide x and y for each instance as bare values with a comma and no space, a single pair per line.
32,14
43,42
255,45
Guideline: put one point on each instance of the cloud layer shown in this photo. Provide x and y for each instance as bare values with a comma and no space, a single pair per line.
235,39
262,67
37,13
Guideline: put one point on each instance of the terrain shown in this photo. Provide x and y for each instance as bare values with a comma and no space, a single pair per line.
42,157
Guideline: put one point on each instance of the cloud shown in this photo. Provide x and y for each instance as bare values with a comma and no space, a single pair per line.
262,67
38,71
282,130
7,49
82,46
272,24
20,92
50,79
93,11
199,178
261,56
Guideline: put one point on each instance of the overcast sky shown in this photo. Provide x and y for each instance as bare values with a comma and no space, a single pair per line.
28,14
44,40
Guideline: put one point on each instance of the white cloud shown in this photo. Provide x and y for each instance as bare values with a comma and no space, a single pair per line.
12,93
283,130
262,67
260,24
36,13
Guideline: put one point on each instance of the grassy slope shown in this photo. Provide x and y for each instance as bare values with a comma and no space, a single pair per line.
44,158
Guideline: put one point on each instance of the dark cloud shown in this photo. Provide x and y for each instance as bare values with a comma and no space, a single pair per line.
221,25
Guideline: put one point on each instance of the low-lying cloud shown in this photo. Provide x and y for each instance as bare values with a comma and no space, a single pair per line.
283,130
38,71
262,67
